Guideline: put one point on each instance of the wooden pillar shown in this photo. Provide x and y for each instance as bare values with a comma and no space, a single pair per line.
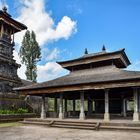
55,106
82,113
106,114
2,31
66,109
74,106
136,113
124,107
43,112
61,115
90,107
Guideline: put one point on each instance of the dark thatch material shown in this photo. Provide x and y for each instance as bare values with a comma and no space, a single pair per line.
95,75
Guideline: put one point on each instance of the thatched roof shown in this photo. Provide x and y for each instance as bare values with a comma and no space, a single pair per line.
118,58
96,75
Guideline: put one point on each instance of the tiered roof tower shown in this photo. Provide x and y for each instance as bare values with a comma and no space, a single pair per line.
8,66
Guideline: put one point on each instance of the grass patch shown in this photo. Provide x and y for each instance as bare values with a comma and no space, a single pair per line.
10,124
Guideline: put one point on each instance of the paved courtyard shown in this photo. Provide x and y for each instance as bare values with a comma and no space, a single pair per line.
44,133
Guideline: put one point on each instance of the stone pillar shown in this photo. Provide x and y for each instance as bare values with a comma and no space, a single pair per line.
106,114
74,106
136,114
90,107
55,106
66,108
124,107
82,113
61,115
43,112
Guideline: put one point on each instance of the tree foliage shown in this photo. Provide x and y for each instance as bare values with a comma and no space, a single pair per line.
30,54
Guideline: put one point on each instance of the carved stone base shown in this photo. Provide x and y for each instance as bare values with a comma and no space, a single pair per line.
61,116
106,117
82,116
136,117
43,115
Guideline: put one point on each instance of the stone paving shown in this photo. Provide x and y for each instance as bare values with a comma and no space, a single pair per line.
43,133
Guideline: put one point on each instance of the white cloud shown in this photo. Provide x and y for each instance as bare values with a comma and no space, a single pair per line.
21,71
0,5
49,71
49,55
75,7
33,14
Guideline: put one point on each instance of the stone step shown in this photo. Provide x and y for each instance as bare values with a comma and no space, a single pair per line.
58,123
61,121
35,123
64,125
134,124
85,125
36,120
74,127
120,128
75,124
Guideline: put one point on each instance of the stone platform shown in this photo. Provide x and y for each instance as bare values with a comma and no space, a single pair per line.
89,124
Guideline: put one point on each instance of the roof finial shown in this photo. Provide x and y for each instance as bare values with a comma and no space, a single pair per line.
104,49
4,9
86,51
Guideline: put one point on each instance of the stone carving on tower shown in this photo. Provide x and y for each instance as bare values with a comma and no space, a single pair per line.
8,66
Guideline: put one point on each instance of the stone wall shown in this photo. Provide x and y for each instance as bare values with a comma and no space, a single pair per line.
12,101
15,117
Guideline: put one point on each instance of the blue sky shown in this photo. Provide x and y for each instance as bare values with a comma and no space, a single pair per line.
114,23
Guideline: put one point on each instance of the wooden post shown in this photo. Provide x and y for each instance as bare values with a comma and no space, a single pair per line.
124,107
55,106
61,115
66,108
136,114
73,106
90,107
106,115
43,112
82,113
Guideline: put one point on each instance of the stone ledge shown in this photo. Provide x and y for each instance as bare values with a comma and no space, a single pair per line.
10,116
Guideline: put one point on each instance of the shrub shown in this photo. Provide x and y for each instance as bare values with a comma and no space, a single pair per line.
19,111
22,111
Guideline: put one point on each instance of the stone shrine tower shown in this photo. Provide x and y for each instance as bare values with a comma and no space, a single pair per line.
8,66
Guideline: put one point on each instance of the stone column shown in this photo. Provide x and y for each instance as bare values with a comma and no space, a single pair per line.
124,107
55,106
66,108
82,113
43,112
61,115
90,107
136,114
106,114
73,106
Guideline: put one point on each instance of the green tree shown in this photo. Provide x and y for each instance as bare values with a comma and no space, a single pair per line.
30,54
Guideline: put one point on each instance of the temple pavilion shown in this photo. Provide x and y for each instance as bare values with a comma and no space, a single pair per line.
100,79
